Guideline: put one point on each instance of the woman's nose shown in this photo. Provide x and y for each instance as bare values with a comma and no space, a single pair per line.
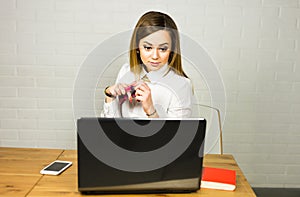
155,54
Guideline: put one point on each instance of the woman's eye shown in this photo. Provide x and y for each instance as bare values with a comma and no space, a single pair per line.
147,48
163,49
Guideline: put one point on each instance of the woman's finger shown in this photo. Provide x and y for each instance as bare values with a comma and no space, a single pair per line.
123,88
118,89
139,98
142,85
139,92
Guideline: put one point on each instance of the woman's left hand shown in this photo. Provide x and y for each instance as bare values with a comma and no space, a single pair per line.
143,95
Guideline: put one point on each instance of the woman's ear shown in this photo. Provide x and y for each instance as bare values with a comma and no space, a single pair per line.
137,51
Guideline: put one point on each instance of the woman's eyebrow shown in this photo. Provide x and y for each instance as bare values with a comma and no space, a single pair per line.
145,42
164,44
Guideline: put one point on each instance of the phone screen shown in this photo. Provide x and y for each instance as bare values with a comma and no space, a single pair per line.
56,166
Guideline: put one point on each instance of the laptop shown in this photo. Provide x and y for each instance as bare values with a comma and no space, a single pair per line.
119,155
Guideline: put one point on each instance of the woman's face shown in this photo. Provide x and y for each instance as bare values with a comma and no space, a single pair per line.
155,49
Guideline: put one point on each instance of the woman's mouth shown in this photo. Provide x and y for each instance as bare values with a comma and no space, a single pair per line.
154,63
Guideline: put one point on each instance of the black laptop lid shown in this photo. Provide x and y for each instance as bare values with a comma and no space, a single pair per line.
133,155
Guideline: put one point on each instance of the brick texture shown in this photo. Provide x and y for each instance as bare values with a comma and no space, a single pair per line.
255,45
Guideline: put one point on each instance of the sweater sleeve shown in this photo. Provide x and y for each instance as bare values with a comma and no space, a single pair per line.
112,109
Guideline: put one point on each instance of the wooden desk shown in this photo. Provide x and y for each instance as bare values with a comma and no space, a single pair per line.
20,167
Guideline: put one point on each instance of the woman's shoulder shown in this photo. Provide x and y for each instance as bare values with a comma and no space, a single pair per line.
125,74
125,68
179,79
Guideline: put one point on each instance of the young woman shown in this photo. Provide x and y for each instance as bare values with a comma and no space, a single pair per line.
154,83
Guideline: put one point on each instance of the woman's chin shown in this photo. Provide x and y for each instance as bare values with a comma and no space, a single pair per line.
154,67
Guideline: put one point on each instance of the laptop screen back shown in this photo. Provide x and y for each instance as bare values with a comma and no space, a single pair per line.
139,155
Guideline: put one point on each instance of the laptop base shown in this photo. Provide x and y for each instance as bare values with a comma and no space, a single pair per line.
171,186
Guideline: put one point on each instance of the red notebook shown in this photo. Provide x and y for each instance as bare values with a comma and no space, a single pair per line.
218,178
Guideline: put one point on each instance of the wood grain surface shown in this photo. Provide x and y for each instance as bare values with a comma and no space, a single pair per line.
19,175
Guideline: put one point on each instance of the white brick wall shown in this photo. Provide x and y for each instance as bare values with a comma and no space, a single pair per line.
254,43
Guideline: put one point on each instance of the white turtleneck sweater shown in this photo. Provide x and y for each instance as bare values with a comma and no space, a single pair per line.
172,95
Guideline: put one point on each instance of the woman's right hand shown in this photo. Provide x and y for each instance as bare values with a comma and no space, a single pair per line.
116,90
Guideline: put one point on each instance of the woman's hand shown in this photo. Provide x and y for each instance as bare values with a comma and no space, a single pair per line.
118,89
143,95
115,90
